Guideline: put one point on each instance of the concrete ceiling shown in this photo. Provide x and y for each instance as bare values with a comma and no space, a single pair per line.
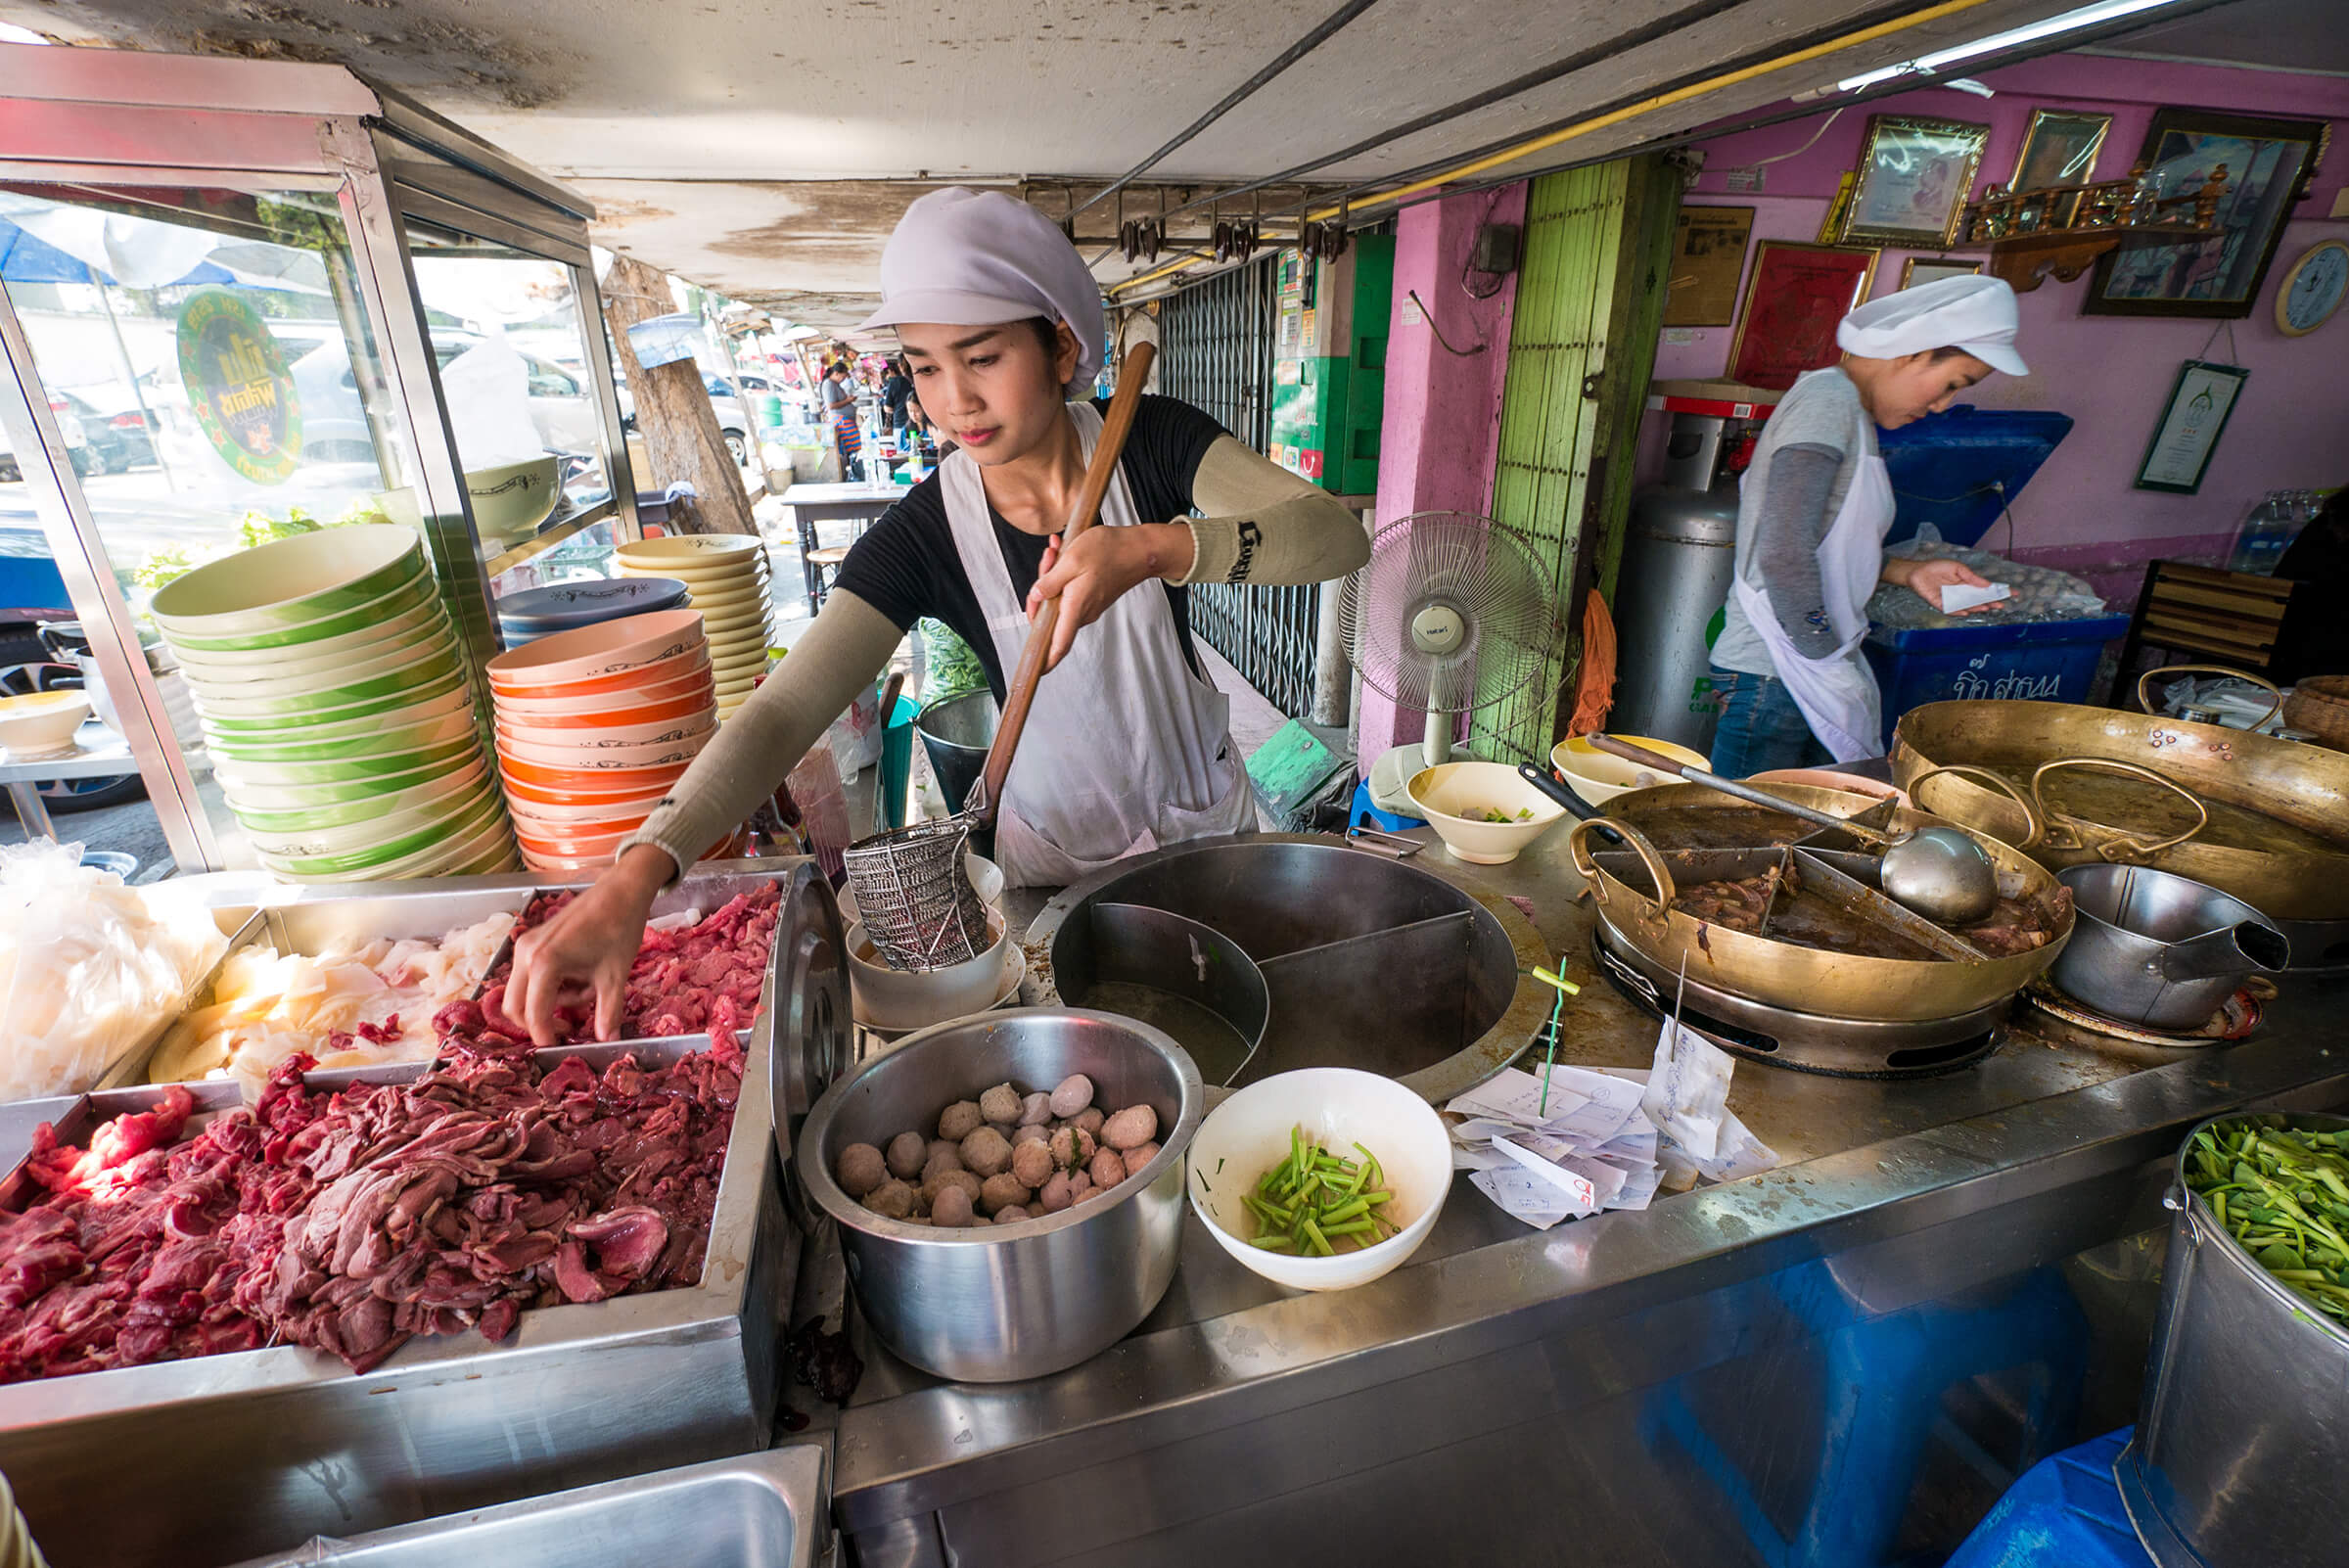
766,151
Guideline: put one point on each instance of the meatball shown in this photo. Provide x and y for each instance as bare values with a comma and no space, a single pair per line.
1090,1194
1058,1194
1108,1167
957,1180
1079,1184
1072,1094
1031,1132
1036,1109
1032,1161
953,1207
1002,1103
1089,1118
1135,1159
944,1157
986,1152
906,1152
1009,1212
1002,1191
860,1170
893,1200
959,1121
1130,1129
1072,1148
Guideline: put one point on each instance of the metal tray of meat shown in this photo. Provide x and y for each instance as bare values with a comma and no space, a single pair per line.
217,1459
760,1510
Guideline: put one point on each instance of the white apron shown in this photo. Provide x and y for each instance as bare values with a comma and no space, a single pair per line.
1837,694
1125,749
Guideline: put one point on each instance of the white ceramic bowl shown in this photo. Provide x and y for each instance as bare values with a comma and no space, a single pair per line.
511,500
691,551
890,999
41,724
1443,794
1337,1107
1599,776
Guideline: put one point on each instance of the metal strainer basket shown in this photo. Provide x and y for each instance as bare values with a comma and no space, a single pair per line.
914,897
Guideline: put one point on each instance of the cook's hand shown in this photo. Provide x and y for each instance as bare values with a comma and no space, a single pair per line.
586,949
1926,579
1088,576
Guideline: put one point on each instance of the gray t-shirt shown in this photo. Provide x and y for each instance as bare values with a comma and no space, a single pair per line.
1822,414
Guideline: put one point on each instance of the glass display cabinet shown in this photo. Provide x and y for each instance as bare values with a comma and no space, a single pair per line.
244,299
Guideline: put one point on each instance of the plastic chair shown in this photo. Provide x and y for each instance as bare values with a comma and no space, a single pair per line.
1882,1376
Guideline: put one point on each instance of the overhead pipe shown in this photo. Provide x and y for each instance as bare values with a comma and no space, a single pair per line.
1320,35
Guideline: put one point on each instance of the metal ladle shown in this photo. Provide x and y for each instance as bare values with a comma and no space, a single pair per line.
1939,872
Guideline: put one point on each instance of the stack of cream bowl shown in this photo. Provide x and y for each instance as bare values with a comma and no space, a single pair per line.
334,704
593,727
727,579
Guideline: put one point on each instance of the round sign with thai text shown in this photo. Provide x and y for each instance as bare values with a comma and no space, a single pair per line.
239,387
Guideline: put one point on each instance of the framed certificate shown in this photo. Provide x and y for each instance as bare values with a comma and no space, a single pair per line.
2191,423
1794,298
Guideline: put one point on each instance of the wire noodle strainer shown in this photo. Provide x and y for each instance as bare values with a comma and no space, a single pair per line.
912,891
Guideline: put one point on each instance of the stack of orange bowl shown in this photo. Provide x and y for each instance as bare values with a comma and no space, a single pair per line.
727,579
593,727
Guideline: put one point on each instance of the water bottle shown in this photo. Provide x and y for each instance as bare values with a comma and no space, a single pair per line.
2261,543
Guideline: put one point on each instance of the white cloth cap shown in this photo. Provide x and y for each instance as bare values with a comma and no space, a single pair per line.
1975,313
977,259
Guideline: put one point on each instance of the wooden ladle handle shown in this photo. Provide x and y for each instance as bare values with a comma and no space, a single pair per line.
987,796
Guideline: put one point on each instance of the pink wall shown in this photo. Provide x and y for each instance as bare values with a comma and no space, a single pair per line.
2111,374
1442,427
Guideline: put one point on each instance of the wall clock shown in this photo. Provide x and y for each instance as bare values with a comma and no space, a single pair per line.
2313,288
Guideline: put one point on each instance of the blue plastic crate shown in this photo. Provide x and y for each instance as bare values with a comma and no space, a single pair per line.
2052,660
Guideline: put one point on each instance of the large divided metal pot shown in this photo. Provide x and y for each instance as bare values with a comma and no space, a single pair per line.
1678,823
2263,819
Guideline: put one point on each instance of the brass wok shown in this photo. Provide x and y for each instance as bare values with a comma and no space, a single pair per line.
1781,974
2263,819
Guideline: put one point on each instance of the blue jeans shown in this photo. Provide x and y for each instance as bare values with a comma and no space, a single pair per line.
1761,728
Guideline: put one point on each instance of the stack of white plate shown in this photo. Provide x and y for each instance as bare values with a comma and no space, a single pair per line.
727,579
334,704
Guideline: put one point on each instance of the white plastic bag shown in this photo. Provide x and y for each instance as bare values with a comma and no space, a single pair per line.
856,734
488,392
88,967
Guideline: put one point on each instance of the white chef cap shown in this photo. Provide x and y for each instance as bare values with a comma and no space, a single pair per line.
1975,313
977,259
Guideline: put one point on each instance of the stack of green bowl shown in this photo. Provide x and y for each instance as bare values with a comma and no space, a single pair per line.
337,709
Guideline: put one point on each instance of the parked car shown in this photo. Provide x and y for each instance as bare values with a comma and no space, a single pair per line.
733,420
334,421
119,439
77,445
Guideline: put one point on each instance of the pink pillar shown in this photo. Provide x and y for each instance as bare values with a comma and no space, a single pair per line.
1442,428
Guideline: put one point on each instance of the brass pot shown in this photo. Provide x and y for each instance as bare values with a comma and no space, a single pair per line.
2263,819
1781,974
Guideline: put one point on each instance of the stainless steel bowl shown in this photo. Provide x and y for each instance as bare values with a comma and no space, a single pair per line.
995,1304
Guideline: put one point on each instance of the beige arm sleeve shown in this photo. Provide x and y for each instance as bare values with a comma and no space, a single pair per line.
835,657
1267,525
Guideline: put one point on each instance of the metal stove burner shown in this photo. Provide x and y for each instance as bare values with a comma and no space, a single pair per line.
2318,947
1839,1047
2235,1018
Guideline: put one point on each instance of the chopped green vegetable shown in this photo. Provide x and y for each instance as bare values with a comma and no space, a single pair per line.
1317,1201
2283,1195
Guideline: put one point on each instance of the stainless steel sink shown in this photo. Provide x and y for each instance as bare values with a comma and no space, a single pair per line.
762,1511
1359,961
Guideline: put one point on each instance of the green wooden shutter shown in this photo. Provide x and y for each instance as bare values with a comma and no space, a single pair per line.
1581,349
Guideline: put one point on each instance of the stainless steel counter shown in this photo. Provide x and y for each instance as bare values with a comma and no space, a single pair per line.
1946,1279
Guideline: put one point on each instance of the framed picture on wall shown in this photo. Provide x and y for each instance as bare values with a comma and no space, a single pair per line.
1794,297
2059,148
1932,270
1913,179
1708,257
2191,424
2263,162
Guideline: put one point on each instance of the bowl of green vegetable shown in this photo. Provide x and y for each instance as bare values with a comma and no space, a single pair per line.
1483,811
1322,1179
